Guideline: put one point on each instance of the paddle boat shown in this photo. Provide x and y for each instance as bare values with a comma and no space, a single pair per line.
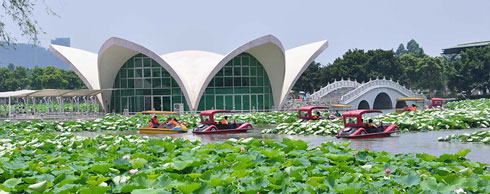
437,103
355,127
210,126
178,128
308,113
402,106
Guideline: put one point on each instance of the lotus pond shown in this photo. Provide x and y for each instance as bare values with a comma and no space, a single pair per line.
475,137
459,115
43,162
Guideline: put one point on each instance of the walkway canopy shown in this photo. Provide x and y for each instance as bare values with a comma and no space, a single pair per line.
49,93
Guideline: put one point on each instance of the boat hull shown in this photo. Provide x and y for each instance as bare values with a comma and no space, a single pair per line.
151,130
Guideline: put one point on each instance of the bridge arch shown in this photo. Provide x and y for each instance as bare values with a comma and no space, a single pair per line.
382,101
400,104
363,105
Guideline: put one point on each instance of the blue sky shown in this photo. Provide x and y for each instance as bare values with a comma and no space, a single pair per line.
220,26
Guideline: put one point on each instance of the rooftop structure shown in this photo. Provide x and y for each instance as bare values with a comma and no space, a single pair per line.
461,47
255,76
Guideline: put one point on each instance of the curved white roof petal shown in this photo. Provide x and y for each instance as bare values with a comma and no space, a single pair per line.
194,68
268,50
83,63
297,60
115,52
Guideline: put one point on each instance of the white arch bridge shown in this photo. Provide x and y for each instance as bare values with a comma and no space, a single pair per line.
375,94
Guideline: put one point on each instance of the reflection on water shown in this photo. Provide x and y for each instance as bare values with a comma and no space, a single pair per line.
401,143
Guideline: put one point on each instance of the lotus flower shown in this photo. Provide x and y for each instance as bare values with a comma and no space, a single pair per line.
13,134
242,149
367,147
137,158
228,165
126,157
388,171
100,147
354,154
40,163
63,165
20,147
460,190
133,171
263,143
318,149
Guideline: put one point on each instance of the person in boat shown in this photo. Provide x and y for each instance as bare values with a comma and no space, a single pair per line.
154,122
414,108
224,121
370,123
317,116
337,114
170,124
406,108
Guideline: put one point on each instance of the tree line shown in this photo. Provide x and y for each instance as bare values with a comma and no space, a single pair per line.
18,77
411,67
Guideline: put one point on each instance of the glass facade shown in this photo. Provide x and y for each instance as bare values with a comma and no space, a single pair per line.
241,85
143,84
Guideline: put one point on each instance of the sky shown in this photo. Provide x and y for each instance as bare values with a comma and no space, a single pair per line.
220,26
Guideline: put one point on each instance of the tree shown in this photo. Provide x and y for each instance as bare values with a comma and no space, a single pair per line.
52,78
36,78
409,65
11,67
475,65
20,13
414,48
4,76
401,50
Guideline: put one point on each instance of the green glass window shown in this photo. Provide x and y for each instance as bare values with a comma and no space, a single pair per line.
130,73
146,62
153,86
138,73
147,72
156,72
138,62
242,84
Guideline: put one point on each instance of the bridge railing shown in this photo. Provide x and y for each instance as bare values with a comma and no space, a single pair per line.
377,83
332,87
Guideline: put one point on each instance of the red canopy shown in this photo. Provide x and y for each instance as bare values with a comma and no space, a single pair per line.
212,112
437,99
355,113
309,108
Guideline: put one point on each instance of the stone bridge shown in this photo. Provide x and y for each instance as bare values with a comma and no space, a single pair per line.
375,94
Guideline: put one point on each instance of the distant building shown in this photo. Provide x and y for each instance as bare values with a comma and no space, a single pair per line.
456,50
61,41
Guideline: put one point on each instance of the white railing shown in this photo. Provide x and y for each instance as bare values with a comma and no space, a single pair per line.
377,83
332,87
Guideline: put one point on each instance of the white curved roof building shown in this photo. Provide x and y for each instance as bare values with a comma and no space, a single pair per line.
255,76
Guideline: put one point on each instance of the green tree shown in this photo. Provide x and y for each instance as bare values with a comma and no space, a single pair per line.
11,67
4,76
36,78
52,78
414,49
476,66
409,65
430,71
401,50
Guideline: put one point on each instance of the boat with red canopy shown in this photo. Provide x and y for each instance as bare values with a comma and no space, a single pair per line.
210,126
355,127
